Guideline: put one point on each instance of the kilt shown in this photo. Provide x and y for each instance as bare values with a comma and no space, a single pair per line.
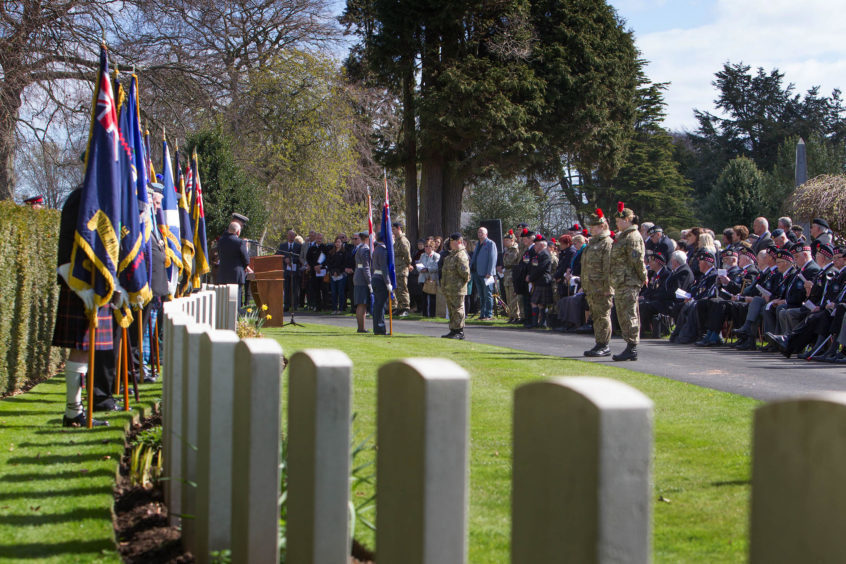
542,295
71,330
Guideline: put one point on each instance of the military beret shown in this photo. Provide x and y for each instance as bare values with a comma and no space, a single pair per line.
585,233
398,225
784,254
706,256
364,234
821,222
777,232
157,188
525,232
623,212
747,252
539,237
655,229
598,218
575,228
800,247
825,250
159,177
772,250
729,253
240,217
39,199
509,235
797,229
657,255
456,236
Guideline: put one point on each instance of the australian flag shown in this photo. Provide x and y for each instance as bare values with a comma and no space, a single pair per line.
132,268
169,223
198,222
94,256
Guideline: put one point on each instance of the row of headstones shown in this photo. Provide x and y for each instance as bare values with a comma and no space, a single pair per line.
581,462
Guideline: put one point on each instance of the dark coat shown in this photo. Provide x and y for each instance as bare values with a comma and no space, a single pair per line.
234,258
762,243
159,282
291,250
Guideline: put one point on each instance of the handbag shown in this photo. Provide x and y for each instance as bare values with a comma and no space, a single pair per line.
430,286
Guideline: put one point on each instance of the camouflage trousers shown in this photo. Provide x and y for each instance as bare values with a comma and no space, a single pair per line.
455,309
513,301
401,292
628,316
600,312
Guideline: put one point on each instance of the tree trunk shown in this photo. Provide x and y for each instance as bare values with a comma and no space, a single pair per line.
410,154
452,198
432,180
10,104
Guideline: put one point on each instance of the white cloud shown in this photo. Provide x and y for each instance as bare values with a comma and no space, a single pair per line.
804,39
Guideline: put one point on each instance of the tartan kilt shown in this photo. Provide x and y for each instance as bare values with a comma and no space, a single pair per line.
71,330
542,295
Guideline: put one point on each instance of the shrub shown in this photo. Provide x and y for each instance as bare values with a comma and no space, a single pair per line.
28,295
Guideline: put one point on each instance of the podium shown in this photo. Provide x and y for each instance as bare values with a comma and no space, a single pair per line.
269,286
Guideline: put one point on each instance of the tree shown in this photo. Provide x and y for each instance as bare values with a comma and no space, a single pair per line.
511,200
226,188
738,195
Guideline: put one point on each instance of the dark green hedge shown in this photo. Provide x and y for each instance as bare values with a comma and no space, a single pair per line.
28,295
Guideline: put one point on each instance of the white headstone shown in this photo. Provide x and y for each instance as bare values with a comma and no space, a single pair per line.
319,421
581,472
422,462
232,307
190,391
214,443
172,435
256,441
798,472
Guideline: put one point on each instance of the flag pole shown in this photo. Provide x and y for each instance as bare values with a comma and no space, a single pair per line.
119,366
140,354
125,372
92,340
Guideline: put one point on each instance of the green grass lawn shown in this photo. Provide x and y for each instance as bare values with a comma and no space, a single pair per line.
55,483
702,440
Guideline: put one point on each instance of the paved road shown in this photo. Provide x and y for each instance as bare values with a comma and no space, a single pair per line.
754,374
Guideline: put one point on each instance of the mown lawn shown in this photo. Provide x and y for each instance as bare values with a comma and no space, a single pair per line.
702,440
55,483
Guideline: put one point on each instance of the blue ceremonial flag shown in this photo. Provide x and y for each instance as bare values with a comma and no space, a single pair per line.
169,222
388,237
94,255
186,231
140,160
132,268
198,222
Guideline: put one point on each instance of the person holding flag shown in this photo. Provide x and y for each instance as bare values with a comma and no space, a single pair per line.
381,282
88,263
386,236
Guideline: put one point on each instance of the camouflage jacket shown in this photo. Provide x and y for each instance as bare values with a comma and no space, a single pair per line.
596,265
627,252
456,273
510,258
402,253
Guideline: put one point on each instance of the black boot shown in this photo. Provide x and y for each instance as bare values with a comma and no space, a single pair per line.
457,334
598,350
448,335
629,354
745,330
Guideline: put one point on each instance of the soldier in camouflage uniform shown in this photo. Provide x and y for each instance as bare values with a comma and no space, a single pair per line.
596,282
402,265
455,275
628,275
511,258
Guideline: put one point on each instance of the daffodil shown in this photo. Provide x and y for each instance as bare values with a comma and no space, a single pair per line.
249,310
264,307
268,317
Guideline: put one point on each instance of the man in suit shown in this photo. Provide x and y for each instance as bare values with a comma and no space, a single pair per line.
234,258
761,228
290,251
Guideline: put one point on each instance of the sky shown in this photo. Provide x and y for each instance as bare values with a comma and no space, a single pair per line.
687,41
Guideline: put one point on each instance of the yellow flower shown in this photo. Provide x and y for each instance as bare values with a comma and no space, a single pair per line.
249,310
268,317
264,307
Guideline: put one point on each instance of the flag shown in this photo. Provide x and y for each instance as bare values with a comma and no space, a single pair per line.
94,255
141,160
169,222
371,241
388,238
151,170
132,268
198,222
186,233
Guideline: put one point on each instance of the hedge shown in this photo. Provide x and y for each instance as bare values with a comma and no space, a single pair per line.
29,295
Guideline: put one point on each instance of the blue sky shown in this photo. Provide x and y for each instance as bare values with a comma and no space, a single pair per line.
687,41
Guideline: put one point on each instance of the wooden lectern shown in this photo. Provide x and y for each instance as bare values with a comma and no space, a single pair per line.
269,286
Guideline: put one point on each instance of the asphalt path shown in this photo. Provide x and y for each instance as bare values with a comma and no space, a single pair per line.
764,376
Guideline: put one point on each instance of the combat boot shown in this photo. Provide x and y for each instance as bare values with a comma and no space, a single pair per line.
449,335
598,350
629,354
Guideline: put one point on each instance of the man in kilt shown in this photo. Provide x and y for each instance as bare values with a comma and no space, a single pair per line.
539,276
72,331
